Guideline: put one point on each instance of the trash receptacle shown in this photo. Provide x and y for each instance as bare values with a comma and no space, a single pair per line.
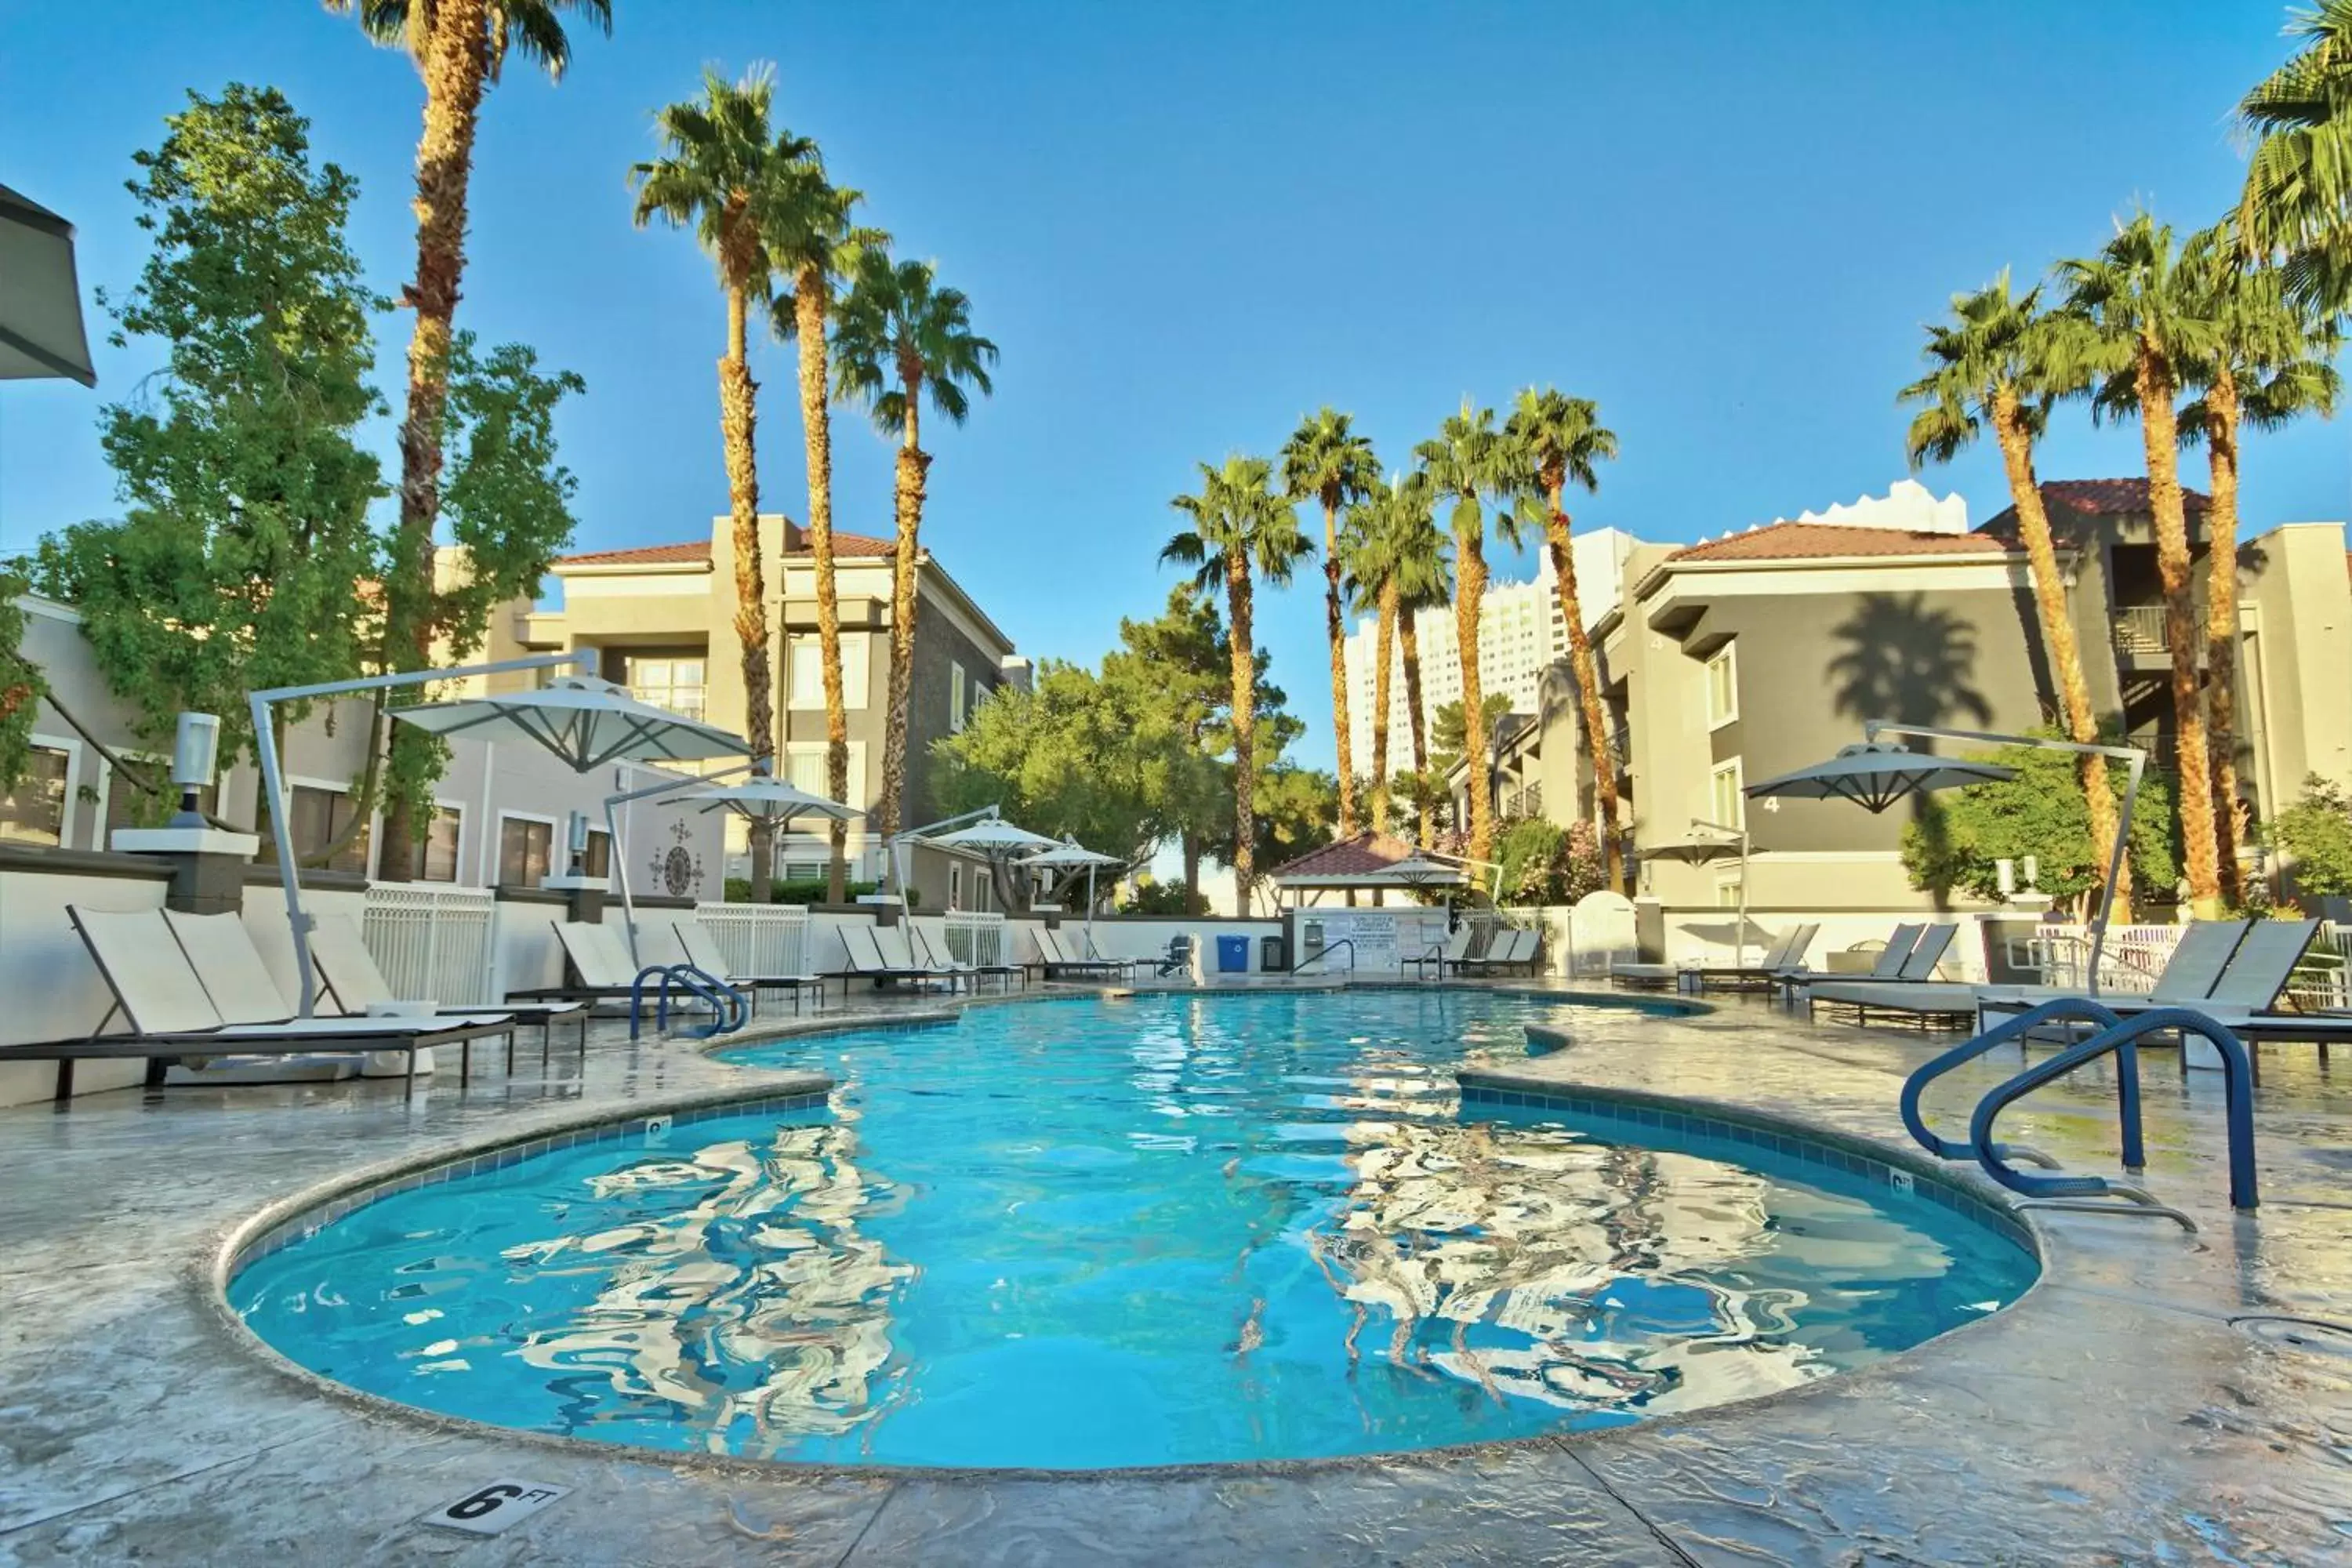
1272,954
1233,955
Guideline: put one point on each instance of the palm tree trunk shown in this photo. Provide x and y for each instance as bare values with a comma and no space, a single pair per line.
1469,596
2159,435
457,60
1335,627
1244,657
809,301
913,464
1384,656
738,410
2221,627
2058,630
1409,651
1588,689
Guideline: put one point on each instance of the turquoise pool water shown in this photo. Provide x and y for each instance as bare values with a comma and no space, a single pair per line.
1095,1234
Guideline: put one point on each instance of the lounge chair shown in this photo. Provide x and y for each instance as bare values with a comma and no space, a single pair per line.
1095,954
1455,948
602,970
2195,966
1179,957
937,955
1785,953
863,960
1512,949
1912,995
349,977
1886,966
174,1017
1056,962
2259,957
701,949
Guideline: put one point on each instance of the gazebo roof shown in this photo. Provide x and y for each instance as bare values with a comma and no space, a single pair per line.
1362,861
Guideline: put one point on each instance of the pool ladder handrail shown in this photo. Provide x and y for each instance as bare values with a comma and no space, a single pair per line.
2070,1008
728,1011
2060,1192
1320,954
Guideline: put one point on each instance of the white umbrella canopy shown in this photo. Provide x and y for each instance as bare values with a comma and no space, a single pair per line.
1875,775
585,721
1070,853
994,836
765,799
1419,871
41,336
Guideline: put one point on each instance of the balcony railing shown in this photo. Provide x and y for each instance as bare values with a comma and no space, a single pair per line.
2139,631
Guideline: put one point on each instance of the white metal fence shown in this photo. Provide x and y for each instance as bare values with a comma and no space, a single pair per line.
974,937
758,939
2134,956
433,943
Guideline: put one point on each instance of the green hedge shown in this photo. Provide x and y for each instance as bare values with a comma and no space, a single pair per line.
810,892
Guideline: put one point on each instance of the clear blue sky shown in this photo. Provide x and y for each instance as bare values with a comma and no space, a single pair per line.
1188,225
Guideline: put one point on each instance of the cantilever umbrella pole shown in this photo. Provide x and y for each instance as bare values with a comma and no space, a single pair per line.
273,783
2133,756
613,829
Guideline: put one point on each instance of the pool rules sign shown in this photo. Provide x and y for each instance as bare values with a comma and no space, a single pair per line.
497,1507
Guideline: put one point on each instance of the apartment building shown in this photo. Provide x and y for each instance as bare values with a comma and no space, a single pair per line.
1521,633
661,619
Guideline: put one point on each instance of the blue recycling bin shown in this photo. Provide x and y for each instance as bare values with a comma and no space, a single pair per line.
1233,955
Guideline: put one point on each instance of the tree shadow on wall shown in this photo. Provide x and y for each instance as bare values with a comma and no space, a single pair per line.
1902,659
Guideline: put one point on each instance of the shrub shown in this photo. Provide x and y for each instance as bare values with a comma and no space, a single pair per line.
2317,832
810,890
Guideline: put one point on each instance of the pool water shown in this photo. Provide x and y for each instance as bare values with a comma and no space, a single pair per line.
1083,1234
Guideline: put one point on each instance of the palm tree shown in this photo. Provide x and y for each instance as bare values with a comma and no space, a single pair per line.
2297,201
460,48
721,171
2000,361
1240,530
1325,460
1378,539
1562,439
1470,459
897,335
1424,582
2272,360
2146,321
809,234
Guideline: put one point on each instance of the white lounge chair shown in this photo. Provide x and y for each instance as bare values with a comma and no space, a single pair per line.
1912,995
1058,963
1455,948
701,949
349,978
936,954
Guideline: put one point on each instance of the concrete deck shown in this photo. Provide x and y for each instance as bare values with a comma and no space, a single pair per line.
2116,1414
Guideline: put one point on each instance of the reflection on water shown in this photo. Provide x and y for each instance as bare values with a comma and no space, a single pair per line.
1091,1236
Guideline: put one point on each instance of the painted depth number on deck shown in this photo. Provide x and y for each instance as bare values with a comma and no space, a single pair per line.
497,1507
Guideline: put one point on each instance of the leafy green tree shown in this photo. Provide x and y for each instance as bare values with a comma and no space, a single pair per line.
2297,201
897,333
2315,833
1379,545
2000,362
1176,669
1327,461
21,686
1241,532
245,546
1449,742
1297,811
1544,863
1960,834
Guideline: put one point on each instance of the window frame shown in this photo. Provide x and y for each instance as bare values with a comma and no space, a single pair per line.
1725,658
552,827
959,697
365,843
856,676
458,857
70,746
1738,818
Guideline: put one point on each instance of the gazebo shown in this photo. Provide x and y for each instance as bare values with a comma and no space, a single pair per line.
1377,863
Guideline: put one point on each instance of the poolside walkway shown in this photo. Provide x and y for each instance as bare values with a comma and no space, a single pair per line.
2116,1414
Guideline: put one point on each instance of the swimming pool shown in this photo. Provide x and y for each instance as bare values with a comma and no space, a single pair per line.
1093,1234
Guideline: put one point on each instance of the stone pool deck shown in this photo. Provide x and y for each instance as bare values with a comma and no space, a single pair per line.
2116,1414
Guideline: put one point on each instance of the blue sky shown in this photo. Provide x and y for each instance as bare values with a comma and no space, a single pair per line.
1188,225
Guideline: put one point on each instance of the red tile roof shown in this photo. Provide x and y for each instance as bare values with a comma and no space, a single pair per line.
697,551
1827,540
2110,497
1367,854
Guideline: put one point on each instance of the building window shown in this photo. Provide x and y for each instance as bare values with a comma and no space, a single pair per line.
596,860
317,815
436,848
1723,687
1727,892
525,844
956,699
804,769
805,654
128,805
35,810
671,681
1728,806
955,884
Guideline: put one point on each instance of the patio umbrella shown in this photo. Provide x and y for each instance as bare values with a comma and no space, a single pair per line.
1071,854
40,297
760,798
996,837
1696,851
585,721
1874,774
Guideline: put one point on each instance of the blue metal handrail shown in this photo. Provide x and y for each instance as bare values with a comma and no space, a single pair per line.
2070,1008
2238,1080
728,1011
